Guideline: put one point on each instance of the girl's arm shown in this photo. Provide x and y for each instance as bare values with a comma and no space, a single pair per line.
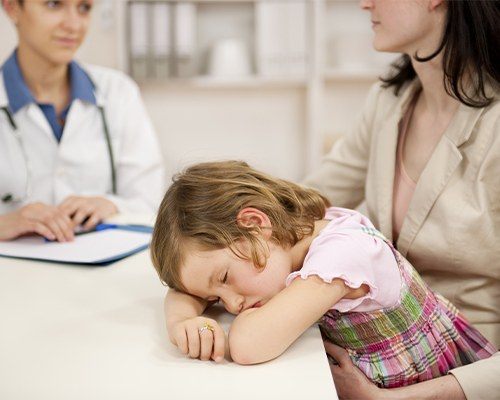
180,306
261,334
184,320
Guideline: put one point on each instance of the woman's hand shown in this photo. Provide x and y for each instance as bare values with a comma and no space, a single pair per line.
92,210
198,340
350,382
38,218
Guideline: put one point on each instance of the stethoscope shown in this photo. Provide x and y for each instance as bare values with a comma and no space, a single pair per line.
10,198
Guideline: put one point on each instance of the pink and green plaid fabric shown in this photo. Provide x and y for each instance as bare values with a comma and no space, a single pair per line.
421,338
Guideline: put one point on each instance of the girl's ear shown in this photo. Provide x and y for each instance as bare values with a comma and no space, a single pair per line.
250,217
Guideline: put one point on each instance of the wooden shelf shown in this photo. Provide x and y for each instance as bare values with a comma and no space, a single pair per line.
203,1
229,83
351,75
328,27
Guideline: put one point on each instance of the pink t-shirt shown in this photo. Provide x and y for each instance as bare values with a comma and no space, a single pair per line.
342,250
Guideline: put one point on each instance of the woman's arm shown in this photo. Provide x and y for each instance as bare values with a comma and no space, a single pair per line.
261,334
184,321
443,388
474,381
480,380
352,384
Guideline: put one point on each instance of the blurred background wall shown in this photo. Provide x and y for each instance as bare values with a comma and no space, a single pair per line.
273,82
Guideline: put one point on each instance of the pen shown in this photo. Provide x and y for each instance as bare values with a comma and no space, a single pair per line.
103,227
125,227
106,226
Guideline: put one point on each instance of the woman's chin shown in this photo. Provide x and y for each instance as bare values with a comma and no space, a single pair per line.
61,57
388,50
385,46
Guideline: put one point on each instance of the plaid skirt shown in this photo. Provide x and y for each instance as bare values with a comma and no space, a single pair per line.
422,337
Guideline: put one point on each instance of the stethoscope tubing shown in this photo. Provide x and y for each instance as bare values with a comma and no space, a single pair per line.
110,150
107,137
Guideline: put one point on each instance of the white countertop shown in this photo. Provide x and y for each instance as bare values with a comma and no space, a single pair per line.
71,332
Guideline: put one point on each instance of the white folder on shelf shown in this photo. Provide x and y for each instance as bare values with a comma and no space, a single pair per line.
139,42
185,16
161,24
281,38
93,248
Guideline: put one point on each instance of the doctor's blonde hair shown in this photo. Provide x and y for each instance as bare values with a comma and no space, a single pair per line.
202,204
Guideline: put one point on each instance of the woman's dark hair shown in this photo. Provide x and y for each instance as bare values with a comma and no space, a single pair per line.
470,43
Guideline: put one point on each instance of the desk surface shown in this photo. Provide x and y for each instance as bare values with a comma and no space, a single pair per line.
72,332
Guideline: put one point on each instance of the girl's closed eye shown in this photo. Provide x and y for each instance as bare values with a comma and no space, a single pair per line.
224,281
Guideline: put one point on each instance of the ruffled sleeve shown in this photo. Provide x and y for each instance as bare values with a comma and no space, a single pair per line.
357,258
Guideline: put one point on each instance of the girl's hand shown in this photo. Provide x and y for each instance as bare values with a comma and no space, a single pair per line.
350,382
39,218
199,337
92,210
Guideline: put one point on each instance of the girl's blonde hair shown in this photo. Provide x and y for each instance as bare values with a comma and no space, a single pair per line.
202,204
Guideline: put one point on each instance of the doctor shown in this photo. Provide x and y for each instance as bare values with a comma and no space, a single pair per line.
76,144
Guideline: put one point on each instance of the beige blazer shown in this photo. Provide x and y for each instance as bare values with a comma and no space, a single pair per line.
451,232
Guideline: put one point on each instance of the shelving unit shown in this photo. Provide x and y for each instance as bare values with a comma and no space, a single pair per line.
342,75
170,39
203,82
339,63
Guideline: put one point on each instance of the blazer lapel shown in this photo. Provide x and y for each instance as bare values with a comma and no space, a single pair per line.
385,160
385,157
78,114
36,115
4,102
81,112
445,159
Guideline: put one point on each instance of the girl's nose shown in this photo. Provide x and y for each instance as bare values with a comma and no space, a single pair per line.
233,303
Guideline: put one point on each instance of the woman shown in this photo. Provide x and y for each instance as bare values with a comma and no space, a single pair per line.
426,158
76,145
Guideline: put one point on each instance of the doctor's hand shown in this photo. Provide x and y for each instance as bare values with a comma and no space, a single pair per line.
92,210
37,218
199,337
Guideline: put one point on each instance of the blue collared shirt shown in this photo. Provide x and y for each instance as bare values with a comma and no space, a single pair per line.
19,95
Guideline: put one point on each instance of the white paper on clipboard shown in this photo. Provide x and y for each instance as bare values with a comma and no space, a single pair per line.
91,248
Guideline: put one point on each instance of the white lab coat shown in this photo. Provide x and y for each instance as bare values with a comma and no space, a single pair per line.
79,164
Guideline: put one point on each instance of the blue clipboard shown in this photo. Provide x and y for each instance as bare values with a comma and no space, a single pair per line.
103,245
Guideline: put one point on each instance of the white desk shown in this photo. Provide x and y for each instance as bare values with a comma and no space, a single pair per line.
69,332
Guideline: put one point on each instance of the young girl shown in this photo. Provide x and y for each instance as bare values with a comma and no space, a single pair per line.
281,258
